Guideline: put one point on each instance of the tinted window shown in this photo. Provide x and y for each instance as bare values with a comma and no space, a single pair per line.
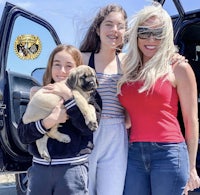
170,7
190,5
26,62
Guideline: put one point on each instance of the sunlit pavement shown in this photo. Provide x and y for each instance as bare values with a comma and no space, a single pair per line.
8,190
11,190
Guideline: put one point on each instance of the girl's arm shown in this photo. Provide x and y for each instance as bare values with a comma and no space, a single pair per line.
76,116
60,89
127,120
30,132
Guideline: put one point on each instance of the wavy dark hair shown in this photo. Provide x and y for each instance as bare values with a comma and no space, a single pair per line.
91,42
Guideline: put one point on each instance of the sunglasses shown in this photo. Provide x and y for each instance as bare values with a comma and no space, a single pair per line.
145,33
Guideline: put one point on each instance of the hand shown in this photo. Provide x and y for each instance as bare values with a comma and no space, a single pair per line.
193,182
58,115
177,58
60,89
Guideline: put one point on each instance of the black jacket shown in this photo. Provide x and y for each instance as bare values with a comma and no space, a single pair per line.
81,136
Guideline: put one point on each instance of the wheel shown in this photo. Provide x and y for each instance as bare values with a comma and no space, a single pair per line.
21,180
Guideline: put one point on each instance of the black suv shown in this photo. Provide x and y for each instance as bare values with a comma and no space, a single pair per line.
25,44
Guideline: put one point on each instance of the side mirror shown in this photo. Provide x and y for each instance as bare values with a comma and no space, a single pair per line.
37,74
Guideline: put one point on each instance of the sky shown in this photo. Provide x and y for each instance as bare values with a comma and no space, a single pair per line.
68,16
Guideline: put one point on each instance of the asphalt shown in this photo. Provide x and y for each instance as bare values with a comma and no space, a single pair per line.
11,190
8,190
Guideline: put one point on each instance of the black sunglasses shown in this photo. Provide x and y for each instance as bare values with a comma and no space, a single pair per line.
145,33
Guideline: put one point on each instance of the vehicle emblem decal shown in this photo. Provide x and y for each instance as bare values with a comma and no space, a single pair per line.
27,46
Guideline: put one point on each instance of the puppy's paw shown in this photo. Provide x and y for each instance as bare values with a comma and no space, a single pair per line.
42,148
64,138
45,155
93,125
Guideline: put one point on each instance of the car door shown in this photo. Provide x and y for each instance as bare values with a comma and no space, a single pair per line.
25,44
187,34
187,37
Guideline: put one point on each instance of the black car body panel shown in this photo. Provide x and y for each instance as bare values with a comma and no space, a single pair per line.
187,38
14,85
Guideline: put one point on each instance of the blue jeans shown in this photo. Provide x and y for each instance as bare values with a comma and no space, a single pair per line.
156,168
58,179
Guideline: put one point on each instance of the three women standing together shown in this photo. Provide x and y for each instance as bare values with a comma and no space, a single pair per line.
151,82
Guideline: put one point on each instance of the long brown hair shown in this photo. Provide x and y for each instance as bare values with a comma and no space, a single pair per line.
73,51
91,42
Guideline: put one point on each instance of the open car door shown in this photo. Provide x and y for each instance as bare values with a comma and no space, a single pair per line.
187,38
26,42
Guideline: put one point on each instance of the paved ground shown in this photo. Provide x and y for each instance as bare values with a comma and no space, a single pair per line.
7,184
8,190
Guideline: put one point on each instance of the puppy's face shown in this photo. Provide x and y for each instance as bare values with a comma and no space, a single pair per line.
82,77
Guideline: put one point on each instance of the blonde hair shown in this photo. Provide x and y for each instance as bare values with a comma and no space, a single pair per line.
159,64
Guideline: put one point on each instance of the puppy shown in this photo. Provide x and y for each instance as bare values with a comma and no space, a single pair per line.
82,81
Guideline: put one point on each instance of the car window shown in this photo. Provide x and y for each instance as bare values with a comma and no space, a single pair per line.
29,47
186,4
170,7
189,6
37,74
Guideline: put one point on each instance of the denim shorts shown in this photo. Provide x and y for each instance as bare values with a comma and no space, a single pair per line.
156,168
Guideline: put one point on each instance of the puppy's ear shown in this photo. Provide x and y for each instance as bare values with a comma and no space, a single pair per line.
72,80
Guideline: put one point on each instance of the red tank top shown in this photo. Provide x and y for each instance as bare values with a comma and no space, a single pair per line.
153,115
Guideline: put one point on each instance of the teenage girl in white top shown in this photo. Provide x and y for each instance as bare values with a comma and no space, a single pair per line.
101,49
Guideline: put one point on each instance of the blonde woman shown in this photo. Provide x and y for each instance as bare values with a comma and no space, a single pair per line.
160,159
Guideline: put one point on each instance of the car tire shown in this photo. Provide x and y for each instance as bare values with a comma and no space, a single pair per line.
21,180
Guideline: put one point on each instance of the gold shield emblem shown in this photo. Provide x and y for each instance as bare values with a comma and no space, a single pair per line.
27,46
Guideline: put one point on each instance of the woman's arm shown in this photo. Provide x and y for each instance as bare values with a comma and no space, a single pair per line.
187,91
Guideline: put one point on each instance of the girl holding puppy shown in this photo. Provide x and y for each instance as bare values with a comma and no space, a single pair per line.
67,172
